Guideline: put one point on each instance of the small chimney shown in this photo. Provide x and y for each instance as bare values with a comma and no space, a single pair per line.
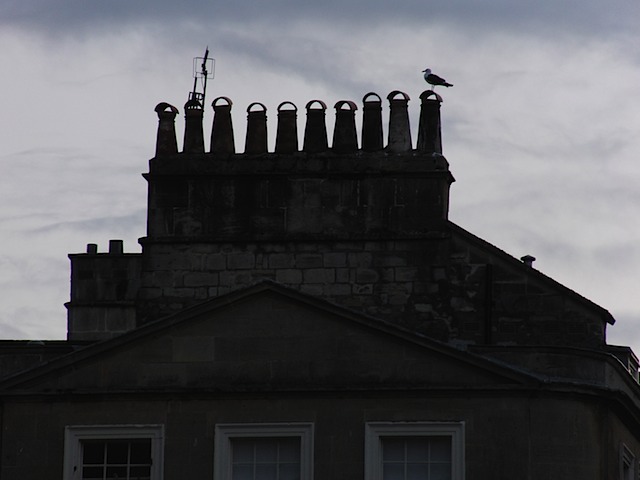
315,132
287,133
116,247
193,136
166,143
399,128
92,248
256,140
345,139
371,123
528,260
429,135
222,131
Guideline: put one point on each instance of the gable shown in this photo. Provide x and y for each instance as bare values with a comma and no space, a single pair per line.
267,339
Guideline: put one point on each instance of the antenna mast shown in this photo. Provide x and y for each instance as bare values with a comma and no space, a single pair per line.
203,70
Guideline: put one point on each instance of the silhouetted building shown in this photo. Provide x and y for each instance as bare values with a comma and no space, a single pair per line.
314,313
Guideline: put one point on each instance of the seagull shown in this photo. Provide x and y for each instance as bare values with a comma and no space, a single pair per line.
435,80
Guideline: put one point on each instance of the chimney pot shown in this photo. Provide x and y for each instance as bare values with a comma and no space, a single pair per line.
429,134
92,248
399,128
222,141
345,139
166,143
528,260
371,123
315,132
287,133
256,140
193,135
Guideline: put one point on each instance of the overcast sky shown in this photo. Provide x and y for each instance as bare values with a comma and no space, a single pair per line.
542,127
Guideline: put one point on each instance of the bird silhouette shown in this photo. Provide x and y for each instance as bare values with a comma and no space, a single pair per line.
434,80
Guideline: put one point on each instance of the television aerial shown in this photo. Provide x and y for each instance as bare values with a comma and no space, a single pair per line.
203,70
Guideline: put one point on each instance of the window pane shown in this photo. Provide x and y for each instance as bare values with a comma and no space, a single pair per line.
440,471
418,449
242,472
141,452
92,473
393,450
242,450
440,449
393,471
418,471
266,472
289,471
289,450
266,450
140,473
116,472
93,452
117,453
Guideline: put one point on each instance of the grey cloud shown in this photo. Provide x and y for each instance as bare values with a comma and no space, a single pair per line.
80,16
114,225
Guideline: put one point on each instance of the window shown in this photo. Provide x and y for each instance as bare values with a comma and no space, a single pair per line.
264,451
414,451
627,464
130,452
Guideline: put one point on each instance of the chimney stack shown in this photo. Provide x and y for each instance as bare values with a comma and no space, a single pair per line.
315,132
345,139
166,143
193,135
256,140
399,128
222,131
287,133
371,123
429,134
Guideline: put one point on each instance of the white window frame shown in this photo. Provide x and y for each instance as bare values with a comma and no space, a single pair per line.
375,432
225,433
74,435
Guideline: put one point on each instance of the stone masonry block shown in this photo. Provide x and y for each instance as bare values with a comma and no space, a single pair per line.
207,248
406,274
343,275
360,259
363,289
172,261
319,275
337,259
149,293
235,278
385,260
312,289
337,289
201,279
166,278
215,261
281,260
289,276
179,292
308,260
348,246
238,261
366,275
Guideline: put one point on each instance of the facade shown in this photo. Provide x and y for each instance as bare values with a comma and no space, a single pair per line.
312,313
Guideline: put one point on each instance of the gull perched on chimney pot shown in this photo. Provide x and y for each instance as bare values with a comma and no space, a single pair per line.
435,80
